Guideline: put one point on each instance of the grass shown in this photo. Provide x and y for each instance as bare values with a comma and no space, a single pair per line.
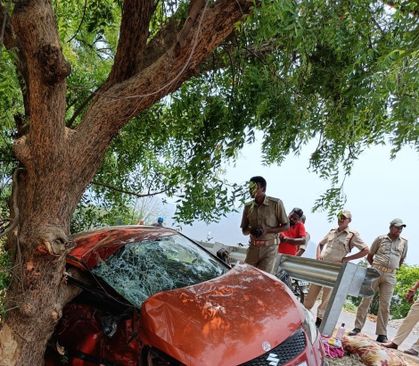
349,306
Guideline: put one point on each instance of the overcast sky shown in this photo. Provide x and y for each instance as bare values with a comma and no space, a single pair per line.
378,190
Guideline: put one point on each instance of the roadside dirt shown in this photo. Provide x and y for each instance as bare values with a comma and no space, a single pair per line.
354,360
351,360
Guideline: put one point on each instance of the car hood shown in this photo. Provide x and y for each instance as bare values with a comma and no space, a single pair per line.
228,320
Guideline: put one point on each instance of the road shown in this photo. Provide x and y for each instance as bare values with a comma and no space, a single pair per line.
369,329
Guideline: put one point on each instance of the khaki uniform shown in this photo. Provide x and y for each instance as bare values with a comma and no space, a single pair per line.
335,246
387,255
262,251
408,324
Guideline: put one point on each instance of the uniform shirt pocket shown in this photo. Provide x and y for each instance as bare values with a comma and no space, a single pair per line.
385,248
400,248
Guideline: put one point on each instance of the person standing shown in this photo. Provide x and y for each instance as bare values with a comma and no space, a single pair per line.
408,324
291,239
302,248
335,247
263,218
387,254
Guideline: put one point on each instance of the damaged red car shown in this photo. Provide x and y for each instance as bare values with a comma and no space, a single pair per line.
150,296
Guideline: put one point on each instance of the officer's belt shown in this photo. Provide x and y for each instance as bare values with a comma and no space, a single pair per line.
263,243
384,269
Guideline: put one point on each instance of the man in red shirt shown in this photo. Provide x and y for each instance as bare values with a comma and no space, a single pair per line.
291,239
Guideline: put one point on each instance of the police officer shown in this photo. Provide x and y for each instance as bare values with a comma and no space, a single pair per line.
387,253
263,218
335,247
408,324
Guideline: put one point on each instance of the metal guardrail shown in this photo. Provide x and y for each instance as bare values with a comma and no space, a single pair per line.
345,279
236,253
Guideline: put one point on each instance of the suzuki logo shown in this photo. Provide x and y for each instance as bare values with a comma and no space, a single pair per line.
273,359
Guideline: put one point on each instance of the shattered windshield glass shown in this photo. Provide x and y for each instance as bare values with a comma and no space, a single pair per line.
141,269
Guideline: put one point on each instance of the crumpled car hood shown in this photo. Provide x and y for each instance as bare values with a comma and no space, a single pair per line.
226,321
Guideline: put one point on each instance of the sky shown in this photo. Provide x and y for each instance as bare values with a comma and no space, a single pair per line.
378,190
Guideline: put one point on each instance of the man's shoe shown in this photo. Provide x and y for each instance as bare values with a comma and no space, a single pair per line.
382,338
390,345
411,352
354,331
318,322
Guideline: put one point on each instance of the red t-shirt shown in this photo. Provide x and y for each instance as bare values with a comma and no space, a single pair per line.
295,231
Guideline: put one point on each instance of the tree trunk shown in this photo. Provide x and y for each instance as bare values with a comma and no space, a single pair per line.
38,290
36,305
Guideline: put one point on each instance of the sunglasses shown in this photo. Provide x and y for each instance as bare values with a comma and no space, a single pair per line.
342,217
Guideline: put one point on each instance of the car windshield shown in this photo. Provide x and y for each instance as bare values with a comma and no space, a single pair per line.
141,269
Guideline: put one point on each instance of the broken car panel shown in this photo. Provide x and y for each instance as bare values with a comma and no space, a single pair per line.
151,296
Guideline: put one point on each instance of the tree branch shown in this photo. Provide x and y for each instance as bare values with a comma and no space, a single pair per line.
171,33
81,107
112,109
195,7
80,24
117,189
161,42
247,53
136,15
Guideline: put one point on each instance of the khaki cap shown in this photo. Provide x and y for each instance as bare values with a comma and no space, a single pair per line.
347,214
397,223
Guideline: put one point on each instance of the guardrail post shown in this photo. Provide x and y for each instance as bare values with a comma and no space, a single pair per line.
337,298
345,279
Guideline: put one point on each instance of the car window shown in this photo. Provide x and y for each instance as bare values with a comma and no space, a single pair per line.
142,269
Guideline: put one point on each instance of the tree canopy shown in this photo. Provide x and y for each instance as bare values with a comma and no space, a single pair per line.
344,73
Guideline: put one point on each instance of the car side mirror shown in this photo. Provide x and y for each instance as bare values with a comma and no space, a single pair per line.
224,255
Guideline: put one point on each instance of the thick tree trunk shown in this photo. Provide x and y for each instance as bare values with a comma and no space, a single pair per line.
36,304
38,291
59,163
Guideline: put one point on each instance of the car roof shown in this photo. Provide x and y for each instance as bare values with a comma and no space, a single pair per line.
94,246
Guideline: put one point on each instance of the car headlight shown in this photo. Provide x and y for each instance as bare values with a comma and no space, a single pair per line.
154,357
309,326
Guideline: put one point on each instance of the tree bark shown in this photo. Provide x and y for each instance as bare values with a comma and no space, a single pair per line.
59,163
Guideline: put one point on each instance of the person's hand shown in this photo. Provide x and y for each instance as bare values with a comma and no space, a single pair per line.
300,252
256,232
282,238
410,295
344,260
